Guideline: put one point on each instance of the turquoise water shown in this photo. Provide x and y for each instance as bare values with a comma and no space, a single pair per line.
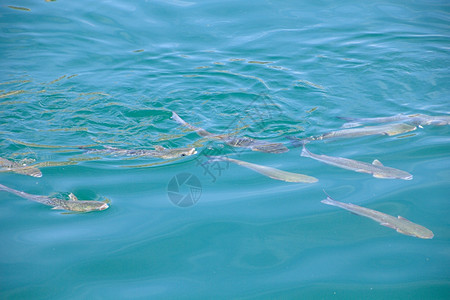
79,73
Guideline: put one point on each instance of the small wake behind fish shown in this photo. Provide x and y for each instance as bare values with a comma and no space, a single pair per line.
414,119
377,169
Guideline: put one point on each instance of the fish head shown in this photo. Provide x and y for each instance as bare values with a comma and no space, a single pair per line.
27,170
33,172
416,230
423,233
407,177
400,128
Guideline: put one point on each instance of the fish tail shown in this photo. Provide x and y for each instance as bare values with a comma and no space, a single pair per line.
10,190
177,118
305,152
329,200
4,188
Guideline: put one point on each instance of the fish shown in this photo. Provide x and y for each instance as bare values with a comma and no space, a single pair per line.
268,171
389,129
400,224
245,142
377,169
19,168
159,152
73,204
415,119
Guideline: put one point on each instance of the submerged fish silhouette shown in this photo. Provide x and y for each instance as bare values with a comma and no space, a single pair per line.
159,152
416,119
73,204
246,142
390,129
20,169
377,169
268,171
400,224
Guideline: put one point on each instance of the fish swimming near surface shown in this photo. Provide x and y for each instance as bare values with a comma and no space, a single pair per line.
159,152
73,204
19,168
233,141
268,171
377,169
415,119
400,224
389,129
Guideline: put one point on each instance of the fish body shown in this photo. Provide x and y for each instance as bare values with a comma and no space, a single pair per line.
73,204
388,129
233,141
268,171
416,119
377,169
400,224
159,152
20,169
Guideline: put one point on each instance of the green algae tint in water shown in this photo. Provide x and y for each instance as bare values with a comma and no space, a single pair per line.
77,74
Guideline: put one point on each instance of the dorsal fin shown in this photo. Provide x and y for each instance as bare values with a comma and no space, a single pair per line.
159,148
376,162
73,197
401,218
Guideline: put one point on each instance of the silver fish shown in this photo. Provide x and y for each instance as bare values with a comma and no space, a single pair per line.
73,204
159,152
400,224
389,129
20,169
376,168
245,142
416,119
268,171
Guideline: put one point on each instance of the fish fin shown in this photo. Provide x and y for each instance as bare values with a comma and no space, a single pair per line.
376,162
328,196
159,148
305,152
57,207
420,126
329,200
351,125
388,225
376,175
402,218
403,232
73,197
